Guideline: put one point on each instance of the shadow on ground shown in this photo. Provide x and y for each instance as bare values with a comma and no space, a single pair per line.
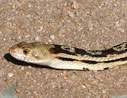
9,58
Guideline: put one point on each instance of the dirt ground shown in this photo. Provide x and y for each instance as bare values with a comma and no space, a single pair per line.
87,24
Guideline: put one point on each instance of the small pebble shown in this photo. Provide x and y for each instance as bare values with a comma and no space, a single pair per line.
29,67
10,75
52,37
83,86
75,5
70,14
22,68
37,38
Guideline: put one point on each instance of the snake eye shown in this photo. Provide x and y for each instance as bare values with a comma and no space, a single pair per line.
26,51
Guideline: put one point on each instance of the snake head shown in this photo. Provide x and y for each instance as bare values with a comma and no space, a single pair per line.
31,52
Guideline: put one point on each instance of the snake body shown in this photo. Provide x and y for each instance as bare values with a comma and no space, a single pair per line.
65,57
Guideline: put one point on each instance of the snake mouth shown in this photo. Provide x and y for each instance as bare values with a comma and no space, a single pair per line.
13,53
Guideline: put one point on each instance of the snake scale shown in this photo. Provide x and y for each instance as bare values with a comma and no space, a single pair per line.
65,57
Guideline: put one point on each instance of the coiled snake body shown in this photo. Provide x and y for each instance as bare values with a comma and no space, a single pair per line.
65,57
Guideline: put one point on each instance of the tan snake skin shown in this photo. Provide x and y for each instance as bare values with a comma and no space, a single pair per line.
65,57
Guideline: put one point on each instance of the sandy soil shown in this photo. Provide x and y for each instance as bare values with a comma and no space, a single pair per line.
88,24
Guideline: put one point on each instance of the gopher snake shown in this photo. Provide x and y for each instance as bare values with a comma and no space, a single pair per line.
65,57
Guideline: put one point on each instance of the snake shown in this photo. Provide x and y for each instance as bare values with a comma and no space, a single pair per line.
69,58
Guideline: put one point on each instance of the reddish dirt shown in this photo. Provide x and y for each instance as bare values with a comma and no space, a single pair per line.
88,24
